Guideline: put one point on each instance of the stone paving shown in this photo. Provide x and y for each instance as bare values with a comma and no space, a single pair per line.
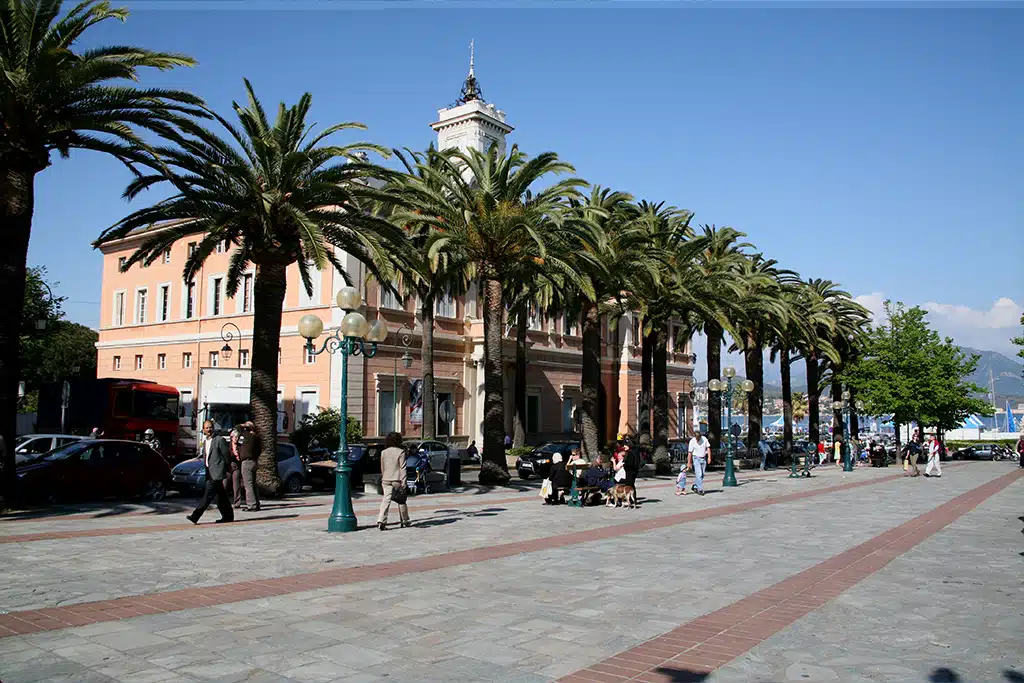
620,579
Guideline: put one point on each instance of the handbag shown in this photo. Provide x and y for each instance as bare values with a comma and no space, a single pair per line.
620,475
400,494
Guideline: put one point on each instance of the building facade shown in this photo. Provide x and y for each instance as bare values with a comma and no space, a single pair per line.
155,327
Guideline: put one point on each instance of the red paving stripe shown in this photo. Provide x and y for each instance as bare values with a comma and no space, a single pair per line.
46,619
708,642
368,506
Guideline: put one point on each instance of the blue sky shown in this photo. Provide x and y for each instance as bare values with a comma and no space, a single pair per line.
881,148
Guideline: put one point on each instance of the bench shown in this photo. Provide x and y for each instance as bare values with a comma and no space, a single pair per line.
578,494
802,465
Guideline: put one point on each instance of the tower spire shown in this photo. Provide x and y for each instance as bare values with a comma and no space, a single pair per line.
471,89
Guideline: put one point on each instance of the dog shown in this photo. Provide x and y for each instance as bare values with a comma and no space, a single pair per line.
622,495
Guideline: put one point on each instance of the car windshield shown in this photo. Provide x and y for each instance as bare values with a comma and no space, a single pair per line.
20,440
155,406
68,451
552,448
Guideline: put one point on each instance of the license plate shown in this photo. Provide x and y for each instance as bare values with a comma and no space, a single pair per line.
180,478
527,465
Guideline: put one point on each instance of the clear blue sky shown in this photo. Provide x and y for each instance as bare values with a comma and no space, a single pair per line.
882,148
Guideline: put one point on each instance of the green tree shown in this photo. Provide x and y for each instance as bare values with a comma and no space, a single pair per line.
484,216
320,429
55,96
281,195
906,370
1019,341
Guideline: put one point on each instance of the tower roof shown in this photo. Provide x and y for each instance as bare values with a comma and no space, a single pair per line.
470,88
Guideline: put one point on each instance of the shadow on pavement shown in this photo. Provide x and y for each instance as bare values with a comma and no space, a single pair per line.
677,675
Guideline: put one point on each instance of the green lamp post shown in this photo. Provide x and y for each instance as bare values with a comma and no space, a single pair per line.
843,407
349,340
727,389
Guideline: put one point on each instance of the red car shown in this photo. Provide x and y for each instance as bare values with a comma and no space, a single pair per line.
94,469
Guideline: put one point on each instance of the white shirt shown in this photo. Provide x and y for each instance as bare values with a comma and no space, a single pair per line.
206,449
699,447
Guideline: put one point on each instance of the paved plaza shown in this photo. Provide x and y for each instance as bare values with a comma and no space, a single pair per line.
862,576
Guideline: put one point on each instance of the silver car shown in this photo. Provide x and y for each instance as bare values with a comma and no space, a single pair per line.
191,474
31,446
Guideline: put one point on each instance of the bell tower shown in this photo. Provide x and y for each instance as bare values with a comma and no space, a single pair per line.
471,123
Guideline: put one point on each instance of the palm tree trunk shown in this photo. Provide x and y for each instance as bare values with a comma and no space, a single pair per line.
661,396
644,419
813,414
17,196
714,354
268,297
427,351
493,468
837,415
591,382
754,362
787,402
854,418
519,419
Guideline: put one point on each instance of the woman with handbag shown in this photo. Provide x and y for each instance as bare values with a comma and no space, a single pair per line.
392,479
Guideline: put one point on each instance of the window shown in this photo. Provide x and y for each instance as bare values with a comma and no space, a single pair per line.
444,307
678,344
117,363
119,309
121,263
533,318
310,357
161,361
247,293
141,295
532,413
388,298
222,247
215,294
185,401
636,331
570,325
308,402
138,362
680,416
190,300
186,360
214,359
165,303
167,255
279,356
444,428
386,413
315,276
243,358
568,410
192,249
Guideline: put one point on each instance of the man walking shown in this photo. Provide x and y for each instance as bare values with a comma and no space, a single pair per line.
1020,450
699,449
248,452
217,454
765,449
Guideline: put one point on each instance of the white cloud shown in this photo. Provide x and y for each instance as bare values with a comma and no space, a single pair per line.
989,330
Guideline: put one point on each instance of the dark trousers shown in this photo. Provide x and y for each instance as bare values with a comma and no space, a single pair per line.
215,489
234,483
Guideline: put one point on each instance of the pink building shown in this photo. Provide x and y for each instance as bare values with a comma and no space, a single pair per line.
155,327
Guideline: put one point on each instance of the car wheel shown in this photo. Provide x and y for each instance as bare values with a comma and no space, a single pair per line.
155,491
293,484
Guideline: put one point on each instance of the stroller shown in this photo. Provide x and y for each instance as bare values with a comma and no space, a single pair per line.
425,473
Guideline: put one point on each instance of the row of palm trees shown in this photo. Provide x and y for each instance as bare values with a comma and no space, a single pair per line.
283,193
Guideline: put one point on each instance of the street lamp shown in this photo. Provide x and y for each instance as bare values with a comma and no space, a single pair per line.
226,336
405,339
348,340
728,390
42,322
843,407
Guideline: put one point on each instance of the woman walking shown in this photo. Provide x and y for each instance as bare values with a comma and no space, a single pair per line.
934,456
392,479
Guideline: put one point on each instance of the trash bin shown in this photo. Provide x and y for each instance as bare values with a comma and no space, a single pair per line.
454,470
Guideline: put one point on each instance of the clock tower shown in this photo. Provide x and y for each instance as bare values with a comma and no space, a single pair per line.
471,123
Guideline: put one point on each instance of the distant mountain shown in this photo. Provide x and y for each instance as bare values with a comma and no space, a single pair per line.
1006,373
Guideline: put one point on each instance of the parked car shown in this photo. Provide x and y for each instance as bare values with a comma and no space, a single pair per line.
95,469
538,463
981,451
190,475
31,446
363,459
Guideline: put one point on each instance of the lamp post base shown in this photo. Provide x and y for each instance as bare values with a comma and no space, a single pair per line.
730,473
343,517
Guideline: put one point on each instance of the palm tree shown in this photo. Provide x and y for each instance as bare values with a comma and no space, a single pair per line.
817,347
427,278
762,312
478,205
56,97
282,198
723,255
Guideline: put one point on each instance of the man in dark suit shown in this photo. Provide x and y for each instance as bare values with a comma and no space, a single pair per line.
217,454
